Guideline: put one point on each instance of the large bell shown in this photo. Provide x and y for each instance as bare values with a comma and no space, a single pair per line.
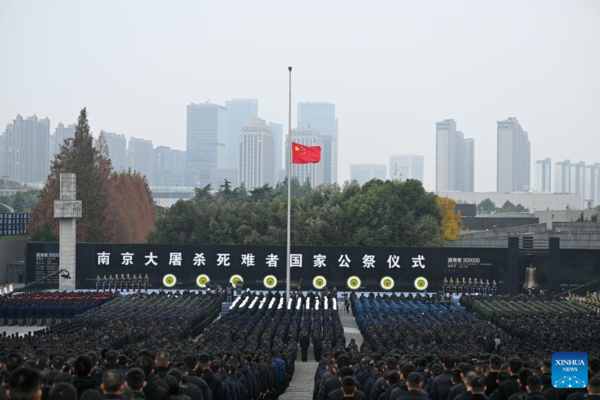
530,278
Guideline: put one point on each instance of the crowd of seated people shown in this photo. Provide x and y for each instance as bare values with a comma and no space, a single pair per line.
45,308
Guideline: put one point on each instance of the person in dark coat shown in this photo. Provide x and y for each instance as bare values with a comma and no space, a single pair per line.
191,375
477,388
304,345
414,383
510,386
113,385
317,345
443,382
214,383
494,366
155,387
348,390
534,388
83,381
135,380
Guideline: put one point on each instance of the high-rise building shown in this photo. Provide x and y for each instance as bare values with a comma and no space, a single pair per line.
169,167
577,181
206,141
562,176
513,157
61,133
363,173
454,159
406,166
591,196
543,175
256,155
321,117
469,165
240,112
117,150
2,156
141,157
277,130
306,135
569,177
27,149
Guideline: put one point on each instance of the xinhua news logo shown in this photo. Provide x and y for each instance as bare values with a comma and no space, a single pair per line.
569,369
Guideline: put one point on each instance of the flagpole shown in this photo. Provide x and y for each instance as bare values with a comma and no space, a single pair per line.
289,199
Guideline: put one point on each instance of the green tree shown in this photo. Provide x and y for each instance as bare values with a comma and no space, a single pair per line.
508,207
486,206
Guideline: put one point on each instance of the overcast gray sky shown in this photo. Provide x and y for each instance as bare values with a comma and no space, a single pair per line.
392,68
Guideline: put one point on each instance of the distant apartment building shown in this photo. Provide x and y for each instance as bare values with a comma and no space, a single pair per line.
577,178
513,157
543,175
321,117
591,195
256,166
455,159
240,112
406,166
363,173
277,130
206,141
61,133
169,167
306,135
117,150
141,157
26,150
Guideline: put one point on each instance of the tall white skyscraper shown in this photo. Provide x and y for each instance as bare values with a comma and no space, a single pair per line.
206,141
363,173
240,112
591,196
256,155
409,166
513,157
26,146
454,159
306,135
141,157
277,130
117,150
321,117
543,175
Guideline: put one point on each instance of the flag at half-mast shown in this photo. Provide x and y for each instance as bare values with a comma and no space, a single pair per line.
305,154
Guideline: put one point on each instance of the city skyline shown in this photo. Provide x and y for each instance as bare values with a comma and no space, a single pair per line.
581,177
384,75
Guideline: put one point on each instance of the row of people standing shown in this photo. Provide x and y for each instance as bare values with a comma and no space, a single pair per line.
470,286
123,283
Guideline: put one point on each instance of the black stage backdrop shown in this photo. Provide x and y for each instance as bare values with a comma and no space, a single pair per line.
253,263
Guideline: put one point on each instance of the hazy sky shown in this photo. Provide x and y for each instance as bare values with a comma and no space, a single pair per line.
392,68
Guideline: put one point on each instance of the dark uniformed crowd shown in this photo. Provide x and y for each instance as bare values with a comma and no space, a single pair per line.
167,346
173,346
47,308
424,348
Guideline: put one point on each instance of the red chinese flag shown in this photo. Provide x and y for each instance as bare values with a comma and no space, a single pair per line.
305,154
